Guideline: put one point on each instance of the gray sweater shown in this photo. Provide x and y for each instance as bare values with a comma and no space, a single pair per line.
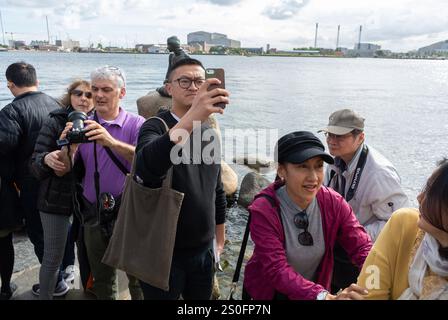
304,259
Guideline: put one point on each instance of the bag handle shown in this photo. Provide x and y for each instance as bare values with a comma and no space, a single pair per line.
166,183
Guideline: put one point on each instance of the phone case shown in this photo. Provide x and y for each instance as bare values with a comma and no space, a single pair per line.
219,74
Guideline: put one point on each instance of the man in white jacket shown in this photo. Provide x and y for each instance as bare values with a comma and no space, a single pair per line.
365,178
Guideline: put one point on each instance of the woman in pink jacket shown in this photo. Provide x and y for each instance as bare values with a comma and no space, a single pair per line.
295,223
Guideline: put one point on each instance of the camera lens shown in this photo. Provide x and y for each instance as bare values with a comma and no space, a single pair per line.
78,118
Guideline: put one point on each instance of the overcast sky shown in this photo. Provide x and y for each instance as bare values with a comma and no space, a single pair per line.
398,25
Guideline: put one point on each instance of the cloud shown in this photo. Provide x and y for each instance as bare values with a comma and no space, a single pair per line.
171,17
396,25
388,23
75,10
29,3
71,14
285,9
223,2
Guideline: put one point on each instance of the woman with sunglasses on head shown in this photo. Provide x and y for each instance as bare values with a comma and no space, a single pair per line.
56,190
409,260
295,223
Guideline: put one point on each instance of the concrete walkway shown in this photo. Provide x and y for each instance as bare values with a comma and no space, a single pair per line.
26,274
26,278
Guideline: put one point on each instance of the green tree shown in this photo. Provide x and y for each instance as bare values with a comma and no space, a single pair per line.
218,50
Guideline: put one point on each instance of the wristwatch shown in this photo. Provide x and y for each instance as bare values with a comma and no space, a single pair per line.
322,295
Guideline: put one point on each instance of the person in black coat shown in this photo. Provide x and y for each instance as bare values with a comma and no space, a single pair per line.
10,220
20,122
55,201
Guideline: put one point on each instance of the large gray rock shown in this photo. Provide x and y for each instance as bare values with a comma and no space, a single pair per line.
254,162
149,105
251,185
229,179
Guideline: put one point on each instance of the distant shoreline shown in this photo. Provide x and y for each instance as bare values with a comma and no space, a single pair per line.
286,55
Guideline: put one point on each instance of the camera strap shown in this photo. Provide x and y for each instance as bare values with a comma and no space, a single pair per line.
96,173
111,155
96,176
356,177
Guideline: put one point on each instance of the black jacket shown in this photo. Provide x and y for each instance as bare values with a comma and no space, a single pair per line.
10,213
55,193
204,204
20,123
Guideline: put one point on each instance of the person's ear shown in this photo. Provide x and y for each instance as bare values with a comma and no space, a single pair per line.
122,92
281,171
169,88
362,135
361,138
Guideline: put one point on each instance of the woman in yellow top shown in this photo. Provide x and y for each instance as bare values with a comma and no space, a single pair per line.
409,260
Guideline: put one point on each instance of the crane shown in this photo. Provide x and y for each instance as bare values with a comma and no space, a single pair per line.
12,35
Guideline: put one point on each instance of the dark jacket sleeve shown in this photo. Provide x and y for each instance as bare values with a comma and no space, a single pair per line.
220,202
10,130
45,143
153,153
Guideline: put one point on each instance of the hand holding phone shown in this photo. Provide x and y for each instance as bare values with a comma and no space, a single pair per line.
217,73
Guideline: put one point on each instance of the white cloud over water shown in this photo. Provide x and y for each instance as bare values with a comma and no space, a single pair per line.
284,9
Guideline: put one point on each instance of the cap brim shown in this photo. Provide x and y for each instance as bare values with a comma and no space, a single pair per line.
337,130
302,156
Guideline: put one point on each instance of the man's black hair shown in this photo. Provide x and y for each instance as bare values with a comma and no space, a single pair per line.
185,62
22,74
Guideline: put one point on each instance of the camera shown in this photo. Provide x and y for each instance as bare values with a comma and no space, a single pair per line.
77,132
108,211
107,206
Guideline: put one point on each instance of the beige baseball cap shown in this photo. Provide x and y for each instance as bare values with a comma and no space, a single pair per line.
344,121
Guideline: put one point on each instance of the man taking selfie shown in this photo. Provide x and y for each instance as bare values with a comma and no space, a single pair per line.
202,214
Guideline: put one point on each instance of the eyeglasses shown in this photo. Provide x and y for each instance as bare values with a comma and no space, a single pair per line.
185,83
337,136
117,71
79,93
301,221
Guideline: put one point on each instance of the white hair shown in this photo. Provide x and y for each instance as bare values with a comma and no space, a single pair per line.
109,73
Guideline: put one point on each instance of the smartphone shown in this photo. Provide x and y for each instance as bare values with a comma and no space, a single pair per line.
219,74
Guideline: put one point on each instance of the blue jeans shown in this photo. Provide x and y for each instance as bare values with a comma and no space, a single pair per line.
191,276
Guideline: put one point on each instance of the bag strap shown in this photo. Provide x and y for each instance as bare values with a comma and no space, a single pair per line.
110,153
96,176
239,264
167,182
117,162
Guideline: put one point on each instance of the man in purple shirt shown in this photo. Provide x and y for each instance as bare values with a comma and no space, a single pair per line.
114,128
